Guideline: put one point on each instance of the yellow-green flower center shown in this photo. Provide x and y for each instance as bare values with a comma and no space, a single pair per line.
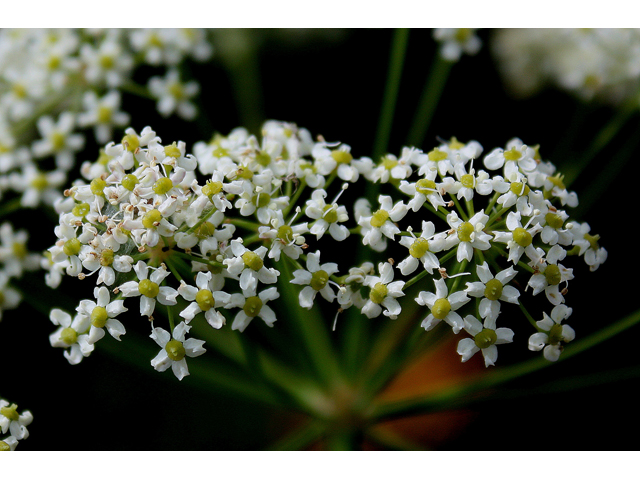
104,114
485,338
99,317
261,200
130,181
252,306
341,156
554,220
437,155
441,308
205,300
519,188
81,209
71,247
212,188
162,186
252,260
148,288
379,218
330,214
319,279
467,180
285,233
378,293
493,289
131,142
522,237
555,335
465,230
68,335
512,155
58,141
97,186
172,150
552,274
419,247
425,186
175,350
11,412
151,218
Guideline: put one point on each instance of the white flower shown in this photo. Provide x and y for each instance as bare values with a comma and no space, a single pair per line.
468,235
102,314
553,334
16,423
422,249
485,338
456,41
173,351
203,299
519,239
149,289
327,216
443,306
71,334
103,114
550,274
382,221
383,292
58,140
253,305
316,277
173,95
493,289
249,266
286,238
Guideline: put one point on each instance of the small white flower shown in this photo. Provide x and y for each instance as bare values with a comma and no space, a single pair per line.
173,95
468,235
553,334
456,41
103,114
148,288
550,274
253,305
249,266
493,290
205,299
485,338
443,306
174,350
58,139
71,335
422,249
14,422
383,292
316,277
102,313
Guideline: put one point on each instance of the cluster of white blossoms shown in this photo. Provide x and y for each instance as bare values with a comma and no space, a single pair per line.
602,63
14,423
57,83
456,41
180,238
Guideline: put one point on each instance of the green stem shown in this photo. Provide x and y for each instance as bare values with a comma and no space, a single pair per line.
396,62
608,132
429,100
300,438
314,334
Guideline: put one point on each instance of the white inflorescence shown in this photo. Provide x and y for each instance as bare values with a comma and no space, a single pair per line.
151,223
601,63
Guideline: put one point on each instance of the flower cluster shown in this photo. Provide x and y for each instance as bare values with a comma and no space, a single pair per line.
212,236
14,423
56,83
590,63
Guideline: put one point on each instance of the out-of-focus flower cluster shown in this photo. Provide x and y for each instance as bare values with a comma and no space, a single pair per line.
211,236
55,83
601,63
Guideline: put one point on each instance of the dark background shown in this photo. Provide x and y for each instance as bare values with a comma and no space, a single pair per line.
333,85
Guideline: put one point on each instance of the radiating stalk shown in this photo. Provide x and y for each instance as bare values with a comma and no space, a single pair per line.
429,100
